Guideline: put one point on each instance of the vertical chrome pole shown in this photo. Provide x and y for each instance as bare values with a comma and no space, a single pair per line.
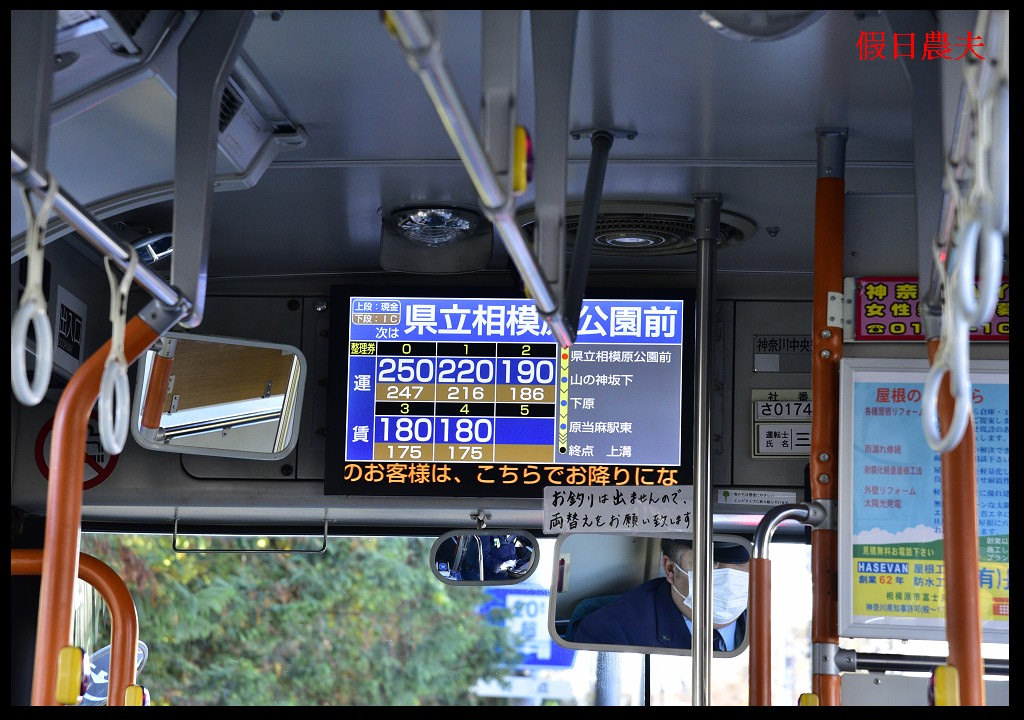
707,228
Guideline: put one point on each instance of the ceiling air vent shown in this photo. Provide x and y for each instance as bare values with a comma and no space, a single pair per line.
435,225
645,229
434,239
230,101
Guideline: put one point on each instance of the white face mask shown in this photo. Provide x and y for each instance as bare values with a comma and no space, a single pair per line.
729,593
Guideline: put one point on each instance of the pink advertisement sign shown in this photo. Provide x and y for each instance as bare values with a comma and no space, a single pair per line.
888,308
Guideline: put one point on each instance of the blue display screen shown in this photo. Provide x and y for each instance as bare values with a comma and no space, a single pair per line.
432,384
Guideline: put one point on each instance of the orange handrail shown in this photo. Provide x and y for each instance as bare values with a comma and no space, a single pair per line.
824,613
760,629
124,622
828,345
960,550
759,619
156,393
64,508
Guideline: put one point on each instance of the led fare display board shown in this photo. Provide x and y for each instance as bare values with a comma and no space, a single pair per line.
472,396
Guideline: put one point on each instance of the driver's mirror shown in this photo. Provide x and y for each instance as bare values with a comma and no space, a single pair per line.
484,557
219,396
634,593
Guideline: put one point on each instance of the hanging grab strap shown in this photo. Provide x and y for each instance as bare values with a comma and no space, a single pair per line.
971,268
114,421
32,308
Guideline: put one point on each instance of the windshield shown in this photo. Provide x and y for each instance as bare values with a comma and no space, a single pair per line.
367,623
363,623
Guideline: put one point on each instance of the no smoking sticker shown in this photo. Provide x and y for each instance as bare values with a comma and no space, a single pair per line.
99,464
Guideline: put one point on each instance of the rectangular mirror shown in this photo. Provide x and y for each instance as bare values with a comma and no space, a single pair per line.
220,396
634,593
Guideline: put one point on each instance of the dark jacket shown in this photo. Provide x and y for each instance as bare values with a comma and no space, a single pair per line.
645,616
494,557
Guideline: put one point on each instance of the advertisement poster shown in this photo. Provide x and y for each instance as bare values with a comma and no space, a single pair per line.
892,579
889,308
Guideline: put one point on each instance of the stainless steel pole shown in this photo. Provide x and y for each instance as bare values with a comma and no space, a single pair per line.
707,228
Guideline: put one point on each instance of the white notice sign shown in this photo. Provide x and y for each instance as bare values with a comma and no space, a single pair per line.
617,510
756,497
783,439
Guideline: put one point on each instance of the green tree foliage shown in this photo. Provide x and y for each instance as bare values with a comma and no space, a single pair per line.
366,623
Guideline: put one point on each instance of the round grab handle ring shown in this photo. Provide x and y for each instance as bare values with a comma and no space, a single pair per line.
973,310
963,275
31,393
990,247
930,413
114,424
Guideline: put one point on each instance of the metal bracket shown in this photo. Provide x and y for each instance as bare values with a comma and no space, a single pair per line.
836,303
832,152
162,317
849,309
821,514
707,209
165,346
825,659
481,516
846,660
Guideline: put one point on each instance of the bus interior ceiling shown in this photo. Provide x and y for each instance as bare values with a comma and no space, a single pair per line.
327,132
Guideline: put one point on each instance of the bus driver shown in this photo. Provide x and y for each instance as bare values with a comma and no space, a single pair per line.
659,611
